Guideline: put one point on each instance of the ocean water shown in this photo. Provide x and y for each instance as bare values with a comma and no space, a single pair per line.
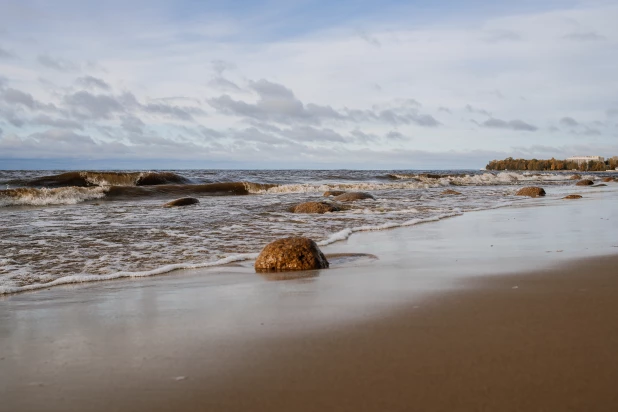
63,227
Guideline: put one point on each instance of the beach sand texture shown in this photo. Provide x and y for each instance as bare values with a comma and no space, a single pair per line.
503,310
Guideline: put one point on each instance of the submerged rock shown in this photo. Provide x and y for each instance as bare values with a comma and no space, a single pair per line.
315,207
532,191
573,197
291,253
184,201
333,193
450,192
585,182
575,177
352,196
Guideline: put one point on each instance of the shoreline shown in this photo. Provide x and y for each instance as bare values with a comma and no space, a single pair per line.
341,236
482,312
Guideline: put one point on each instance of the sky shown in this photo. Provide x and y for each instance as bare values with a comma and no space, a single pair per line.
318,84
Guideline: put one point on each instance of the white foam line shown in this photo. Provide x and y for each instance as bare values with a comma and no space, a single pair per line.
4,290
346,233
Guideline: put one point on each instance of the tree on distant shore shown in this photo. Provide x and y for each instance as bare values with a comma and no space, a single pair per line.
552,164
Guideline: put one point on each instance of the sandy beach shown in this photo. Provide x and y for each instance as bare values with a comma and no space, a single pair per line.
501,310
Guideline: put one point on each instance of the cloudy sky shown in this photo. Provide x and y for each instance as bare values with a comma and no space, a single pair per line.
305,84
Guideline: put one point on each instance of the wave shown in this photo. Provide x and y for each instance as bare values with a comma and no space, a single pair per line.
415,181
45,197
208,189
133,186
4,290
27,196
83,278
86,179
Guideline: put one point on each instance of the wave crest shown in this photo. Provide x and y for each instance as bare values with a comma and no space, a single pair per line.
44,197
86,179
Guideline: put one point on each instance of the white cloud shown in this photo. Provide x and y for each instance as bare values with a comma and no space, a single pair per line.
211,88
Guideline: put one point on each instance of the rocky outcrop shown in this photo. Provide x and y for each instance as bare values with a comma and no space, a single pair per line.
450,192
352,196
333,193
184,201
291,253
315,207
585,182
573,197
531,191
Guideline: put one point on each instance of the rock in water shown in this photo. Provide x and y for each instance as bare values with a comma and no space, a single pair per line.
531,191
184,201
352,196
450,192
608,179
585,182
575,177
572,197
315,207
291,253
333,193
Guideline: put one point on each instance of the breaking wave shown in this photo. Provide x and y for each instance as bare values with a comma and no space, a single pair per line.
414,181
86,179
483,178
26,196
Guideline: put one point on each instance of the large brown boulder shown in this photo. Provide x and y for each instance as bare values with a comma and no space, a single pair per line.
531,191
291,253
585,182
450,192
333,193
184,201
315,207
352,196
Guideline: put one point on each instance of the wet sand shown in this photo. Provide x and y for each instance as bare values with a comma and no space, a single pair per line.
504,310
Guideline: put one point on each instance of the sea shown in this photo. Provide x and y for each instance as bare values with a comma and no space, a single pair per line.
61,227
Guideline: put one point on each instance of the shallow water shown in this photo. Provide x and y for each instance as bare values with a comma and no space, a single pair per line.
96,226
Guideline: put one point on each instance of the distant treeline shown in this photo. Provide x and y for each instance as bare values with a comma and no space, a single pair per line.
552,164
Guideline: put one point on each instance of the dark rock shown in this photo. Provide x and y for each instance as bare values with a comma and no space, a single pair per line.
572,197
315,207
585,182
292,253
184,201
531,191
352,196
333,193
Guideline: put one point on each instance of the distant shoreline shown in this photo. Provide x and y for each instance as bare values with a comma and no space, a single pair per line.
554,165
